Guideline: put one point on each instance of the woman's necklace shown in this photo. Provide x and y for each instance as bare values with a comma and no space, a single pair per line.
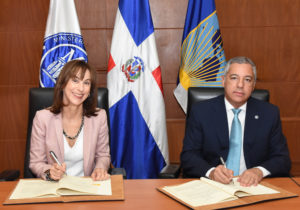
75,137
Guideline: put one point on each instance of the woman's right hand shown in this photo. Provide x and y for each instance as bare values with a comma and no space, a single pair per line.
57,171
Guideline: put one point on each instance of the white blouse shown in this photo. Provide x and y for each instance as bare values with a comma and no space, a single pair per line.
74,156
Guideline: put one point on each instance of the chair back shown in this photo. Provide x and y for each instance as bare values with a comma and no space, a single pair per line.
40,98
196,94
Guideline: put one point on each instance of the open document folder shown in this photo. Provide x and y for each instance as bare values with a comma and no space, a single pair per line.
205,192
68,189
68,185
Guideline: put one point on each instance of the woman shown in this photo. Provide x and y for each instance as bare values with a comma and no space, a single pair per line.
73,128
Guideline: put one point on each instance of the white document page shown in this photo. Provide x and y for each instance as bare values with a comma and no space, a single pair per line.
72,185
198,193
27,188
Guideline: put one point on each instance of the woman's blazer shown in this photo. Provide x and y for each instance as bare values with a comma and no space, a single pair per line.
47,135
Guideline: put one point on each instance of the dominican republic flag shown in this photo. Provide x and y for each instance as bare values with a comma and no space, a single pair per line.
202,54
63,41
137,111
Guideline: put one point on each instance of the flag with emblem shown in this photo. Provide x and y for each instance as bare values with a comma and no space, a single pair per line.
137,111
62,42
202,55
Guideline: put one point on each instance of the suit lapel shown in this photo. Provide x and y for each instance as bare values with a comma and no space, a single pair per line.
251,123
221,121
59,136
252,115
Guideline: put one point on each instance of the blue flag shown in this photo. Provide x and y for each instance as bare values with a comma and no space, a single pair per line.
202,55
63,41
136,106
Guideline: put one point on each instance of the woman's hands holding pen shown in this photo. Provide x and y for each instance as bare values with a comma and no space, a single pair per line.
100,174
57,171
221,174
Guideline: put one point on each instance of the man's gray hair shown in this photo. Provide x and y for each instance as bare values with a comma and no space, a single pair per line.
240,60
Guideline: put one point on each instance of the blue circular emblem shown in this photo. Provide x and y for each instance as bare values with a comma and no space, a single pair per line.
58,49
133,68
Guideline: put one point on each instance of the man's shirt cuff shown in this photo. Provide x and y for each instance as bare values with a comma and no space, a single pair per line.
264,171
209,171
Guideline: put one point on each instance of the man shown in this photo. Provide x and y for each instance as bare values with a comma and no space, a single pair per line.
258,149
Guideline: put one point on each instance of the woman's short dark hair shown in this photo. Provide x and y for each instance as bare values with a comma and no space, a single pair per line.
69,71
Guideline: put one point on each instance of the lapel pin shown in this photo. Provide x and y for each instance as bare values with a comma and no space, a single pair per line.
256,117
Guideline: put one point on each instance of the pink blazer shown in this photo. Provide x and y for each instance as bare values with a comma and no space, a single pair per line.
47,135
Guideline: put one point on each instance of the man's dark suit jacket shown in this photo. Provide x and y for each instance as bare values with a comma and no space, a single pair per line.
207,139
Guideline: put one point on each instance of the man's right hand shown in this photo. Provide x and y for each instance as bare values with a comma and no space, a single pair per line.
221,174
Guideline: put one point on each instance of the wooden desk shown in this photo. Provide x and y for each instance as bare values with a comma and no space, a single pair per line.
297,180
142,194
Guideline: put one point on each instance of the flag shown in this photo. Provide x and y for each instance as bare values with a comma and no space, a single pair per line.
137,111
62,42
202,55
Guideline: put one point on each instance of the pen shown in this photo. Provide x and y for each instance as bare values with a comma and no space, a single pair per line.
55,158
223,162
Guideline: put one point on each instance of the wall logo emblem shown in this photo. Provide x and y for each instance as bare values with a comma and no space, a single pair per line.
133,68
58,49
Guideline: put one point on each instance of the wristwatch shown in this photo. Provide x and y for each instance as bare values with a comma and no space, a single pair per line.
47,175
